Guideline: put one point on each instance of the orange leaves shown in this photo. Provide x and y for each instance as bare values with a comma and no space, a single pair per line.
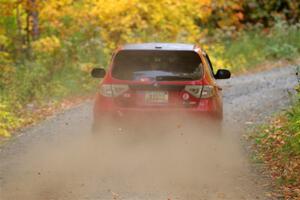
227,13
276,147
7,7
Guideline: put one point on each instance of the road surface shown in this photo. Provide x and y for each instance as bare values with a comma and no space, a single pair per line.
60,159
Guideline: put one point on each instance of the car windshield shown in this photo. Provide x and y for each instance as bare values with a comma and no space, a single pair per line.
157,65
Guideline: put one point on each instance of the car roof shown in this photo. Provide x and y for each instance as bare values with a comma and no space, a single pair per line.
160,46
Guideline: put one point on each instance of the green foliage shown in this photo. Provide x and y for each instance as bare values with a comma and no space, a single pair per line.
267,12
278,145
7,120
292,145
255,46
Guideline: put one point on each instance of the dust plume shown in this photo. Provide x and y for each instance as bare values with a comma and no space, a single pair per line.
162,159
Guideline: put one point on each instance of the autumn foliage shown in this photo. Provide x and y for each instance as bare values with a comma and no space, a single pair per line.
278,145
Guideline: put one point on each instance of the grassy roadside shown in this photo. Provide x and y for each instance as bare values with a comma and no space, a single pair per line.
255,47
32,99
277,145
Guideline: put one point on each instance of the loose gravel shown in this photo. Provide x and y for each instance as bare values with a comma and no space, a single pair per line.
56,160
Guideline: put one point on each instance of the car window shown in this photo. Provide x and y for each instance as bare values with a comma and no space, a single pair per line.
159,65
209,64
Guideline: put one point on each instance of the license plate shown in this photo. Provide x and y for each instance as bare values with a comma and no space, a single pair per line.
156,97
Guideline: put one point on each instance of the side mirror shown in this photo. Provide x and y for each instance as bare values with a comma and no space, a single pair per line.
223,74
98,73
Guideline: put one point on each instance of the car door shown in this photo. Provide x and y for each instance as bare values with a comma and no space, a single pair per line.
219,100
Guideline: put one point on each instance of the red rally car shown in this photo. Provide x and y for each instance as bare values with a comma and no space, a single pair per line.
159,79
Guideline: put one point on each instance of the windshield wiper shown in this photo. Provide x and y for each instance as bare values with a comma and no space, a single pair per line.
174,78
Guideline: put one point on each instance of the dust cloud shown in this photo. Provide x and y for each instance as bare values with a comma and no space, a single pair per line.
165,159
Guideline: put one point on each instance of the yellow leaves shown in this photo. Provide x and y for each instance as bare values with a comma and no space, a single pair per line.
6,74
201,8
46,45
117,20
4,41
7,7
6,68
52,12
7,120
218,50
87,67
126,21
5,58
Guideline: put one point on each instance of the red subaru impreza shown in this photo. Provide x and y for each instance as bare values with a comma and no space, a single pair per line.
158,79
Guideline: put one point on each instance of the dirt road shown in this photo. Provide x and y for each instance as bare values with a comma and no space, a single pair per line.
59,159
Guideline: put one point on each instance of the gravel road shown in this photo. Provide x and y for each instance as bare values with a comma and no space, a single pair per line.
59,159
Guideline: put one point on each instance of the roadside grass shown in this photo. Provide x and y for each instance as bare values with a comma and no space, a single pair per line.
35,91
277,145
251,48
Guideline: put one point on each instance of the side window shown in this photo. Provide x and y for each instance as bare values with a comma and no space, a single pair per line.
210,65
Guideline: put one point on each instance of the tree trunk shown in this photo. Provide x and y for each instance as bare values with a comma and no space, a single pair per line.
28,31
32,23
32,13
20,39
35,19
